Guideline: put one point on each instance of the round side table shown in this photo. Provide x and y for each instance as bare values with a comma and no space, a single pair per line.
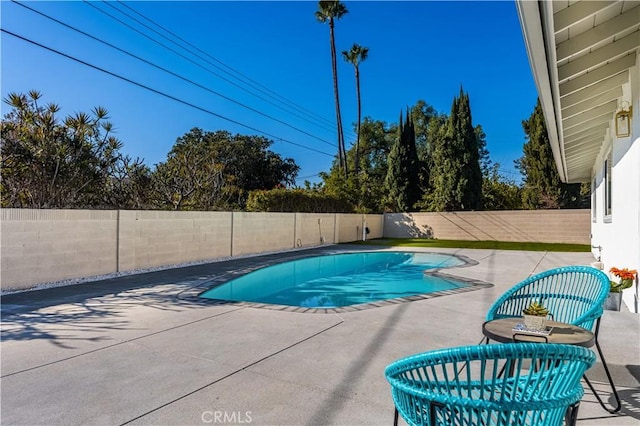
502,330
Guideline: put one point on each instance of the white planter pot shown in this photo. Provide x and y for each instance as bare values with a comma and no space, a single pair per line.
536,323
613,302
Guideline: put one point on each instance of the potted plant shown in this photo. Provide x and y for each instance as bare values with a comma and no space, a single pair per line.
614,299
535,316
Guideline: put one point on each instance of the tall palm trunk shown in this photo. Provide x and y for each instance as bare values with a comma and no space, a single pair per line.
341,146
359,119
356,55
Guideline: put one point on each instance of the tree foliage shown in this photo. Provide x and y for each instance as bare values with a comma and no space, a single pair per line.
73,162
429,161
484,159
456,178
128,186
297,200
76,163
365,190
402,180
499,193
543,188
368,191
427,123
471,180
217,170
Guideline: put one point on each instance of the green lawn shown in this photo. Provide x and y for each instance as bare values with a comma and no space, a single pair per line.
496,245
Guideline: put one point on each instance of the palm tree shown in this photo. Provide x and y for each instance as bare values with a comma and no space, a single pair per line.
356,55
328,11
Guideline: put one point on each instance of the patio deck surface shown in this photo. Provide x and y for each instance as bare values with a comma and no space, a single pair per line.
143,349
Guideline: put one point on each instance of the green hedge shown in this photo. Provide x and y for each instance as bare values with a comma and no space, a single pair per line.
296,200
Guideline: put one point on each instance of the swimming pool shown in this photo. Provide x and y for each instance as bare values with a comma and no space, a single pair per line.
340,280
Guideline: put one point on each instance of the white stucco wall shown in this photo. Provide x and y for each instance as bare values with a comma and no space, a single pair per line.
619,234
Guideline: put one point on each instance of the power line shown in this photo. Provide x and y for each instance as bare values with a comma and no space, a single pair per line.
172,73
511,172
260,87
309,176
166,95
189,59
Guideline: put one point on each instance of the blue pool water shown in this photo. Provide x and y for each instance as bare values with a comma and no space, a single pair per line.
340,280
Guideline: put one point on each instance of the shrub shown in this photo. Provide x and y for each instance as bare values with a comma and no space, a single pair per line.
296,200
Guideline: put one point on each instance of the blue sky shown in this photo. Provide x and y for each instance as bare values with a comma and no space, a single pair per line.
418,50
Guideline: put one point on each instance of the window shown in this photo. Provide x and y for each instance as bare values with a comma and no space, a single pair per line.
607,187
594,203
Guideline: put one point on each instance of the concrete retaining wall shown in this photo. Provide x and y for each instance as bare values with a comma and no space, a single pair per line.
548,226
51,245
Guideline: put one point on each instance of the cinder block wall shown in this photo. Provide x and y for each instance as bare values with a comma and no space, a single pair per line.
313,229
51,245
40,246
549,226
349,226
48,245
262,232
375,223
157,238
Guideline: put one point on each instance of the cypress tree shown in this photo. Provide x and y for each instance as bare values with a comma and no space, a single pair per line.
402,179
456,178
471,198
446,165
426,121
413,162
542,185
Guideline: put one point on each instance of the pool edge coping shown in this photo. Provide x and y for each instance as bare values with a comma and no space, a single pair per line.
473,285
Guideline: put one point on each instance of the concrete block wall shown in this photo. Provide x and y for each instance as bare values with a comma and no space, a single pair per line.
39,246
262,232
549,226
157,238
349,226
375,223
51,245
313,229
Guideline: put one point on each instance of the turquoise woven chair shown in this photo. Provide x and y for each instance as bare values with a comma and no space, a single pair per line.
465,385
573,295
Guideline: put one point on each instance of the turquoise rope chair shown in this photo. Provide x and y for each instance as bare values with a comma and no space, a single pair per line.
465,385
573,295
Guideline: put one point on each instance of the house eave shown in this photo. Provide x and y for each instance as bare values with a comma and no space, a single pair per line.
580,53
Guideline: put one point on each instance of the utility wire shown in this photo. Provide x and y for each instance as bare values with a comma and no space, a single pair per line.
314,122
189,59
247,80
309,176
511,172
166,95
172,73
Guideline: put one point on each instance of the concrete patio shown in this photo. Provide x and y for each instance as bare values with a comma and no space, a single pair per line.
143,349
